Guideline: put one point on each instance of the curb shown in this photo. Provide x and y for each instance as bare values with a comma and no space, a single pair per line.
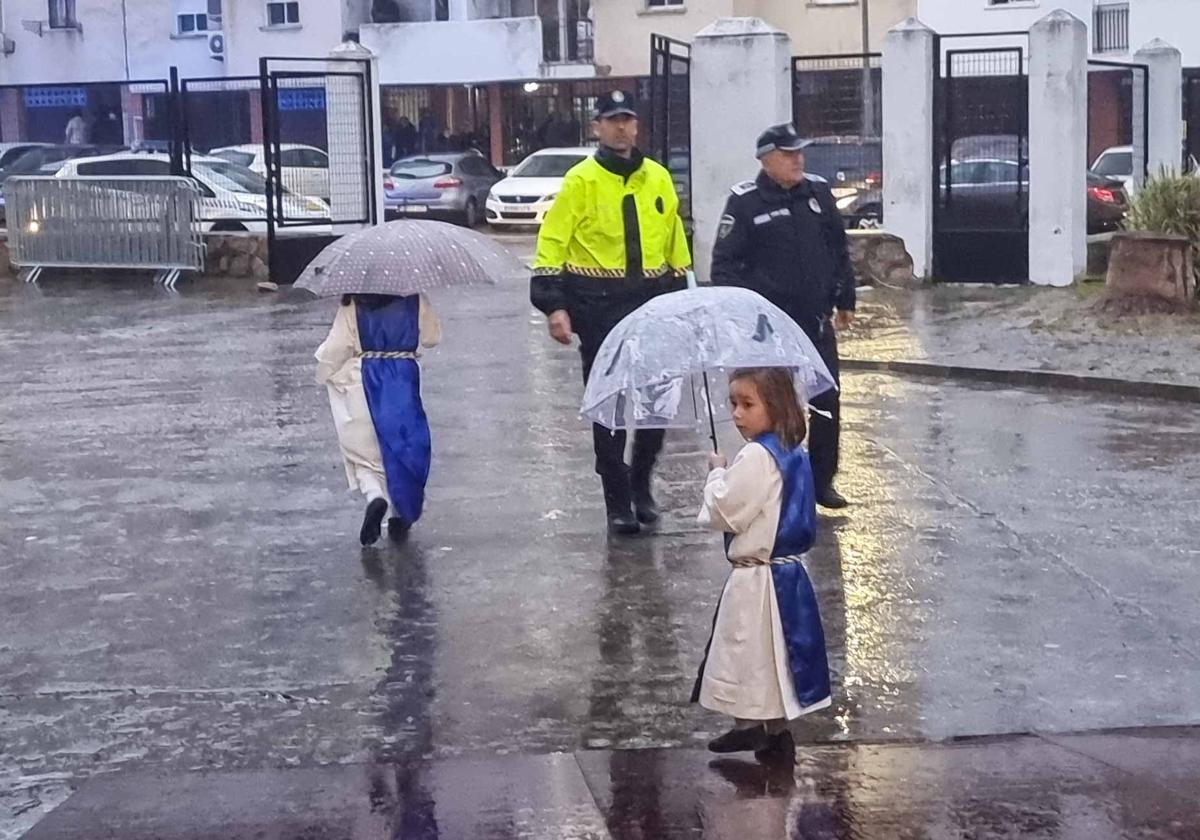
1032,379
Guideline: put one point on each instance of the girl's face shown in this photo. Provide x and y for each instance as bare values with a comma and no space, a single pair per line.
750,413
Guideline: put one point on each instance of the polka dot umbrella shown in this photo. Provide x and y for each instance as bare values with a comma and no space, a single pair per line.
407,257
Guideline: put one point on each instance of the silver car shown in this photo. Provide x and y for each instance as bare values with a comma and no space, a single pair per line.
453,186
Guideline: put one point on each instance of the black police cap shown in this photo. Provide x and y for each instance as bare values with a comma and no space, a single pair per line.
781,137
613,104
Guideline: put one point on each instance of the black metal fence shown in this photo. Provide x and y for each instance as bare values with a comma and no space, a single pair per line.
671,113
1191,116
837,106
981,164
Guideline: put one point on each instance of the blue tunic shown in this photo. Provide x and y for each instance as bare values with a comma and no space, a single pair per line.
393,389
803,635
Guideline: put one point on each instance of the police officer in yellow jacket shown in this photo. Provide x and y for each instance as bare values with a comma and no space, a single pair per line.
612,240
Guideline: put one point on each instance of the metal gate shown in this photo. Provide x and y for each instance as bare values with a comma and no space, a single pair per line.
319,154
1191,115
671,115
837,106
1118,130
981,165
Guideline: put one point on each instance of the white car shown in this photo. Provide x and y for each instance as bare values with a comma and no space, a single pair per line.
1117,163
530,188
233,197
305,169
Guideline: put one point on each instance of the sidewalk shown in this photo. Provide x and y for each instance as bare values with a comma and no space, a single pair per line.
1023,329
1101,785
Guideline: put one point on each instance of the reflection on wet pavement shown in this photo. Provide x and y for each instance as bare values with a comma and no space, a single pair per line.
182,588
1022,786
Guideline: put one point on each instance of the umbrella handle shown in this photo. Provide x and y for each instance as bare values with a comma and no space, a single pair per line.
712,424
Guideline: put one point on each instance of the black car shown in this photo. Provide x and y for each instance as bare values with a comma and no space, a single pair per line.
853,168
38,160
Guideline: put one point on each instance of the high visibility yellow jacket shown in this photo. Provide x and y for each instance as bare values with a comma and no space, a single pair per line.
615,219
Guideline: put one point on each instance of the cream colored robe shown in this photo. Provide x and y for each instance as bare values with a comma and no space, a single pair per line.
339,369
747,674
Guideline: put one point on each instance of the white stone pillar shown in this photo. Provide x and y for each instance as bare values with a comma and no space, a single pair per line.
908,65
741,85
1058,55
346,105
1165,110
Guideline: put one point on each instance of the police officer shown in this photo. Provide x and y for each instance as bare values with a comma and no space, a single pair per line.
612,240
782,236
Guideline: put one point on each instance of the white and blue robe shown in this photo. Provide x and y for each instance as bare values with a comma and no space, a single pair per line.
766,658
369,365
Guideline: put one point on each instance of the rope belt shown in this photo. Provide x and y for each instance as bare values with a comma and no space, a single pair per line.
388,354
750,563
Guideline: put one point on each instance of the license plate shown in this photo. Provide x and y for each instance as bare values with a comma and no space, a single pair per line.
518,208
413,208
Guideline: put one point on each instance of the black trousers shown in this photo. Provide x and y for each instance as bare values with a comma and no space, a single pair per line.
593,318
824,436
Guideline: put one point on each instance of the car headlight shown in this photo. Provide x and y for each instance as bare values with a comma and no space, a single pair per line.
314,205
550,197
846,202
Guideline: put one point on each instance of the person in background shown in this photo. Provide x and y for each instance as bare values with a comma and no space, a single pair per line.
77,132
782,236
368,363
612,240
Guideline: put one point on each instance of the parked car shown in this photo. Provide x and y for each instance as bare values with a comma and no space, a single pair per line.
853,168
527,193
233,197
305,169
9,152
451,186
1116,162
46,159
983,194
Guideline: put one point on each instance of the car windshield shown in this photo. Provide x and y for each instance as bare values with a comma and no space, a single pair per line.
546,166
240,158
419,168
1115,163
230,177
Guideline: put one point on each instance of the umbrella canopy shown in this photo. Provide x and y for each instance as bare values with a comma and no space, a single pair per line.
645,371
407,257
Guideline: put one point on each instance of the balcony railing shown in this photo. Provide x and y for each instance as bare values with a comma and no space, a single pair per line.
1110,28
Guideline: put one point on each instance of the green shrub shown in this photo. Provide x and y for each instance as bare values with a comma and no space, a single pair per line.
1169,203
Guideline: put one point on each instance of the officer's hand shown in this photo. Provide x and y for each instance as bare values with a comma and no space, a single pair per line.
843,319
717,461
560,326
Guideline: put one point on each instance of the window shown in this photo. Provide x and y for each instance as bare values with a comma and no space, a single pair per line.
124,167
191,23
234,156
660,4
62,14
314,159
283,13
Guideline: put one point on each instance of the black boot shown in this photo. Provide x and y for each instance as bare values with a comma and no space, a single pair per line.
619,505
780,747
740,740
398,529
643,500
372,523
827,497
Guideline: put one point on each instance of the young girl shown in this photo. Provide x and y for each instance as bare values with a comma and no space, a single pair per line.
369,365
765,663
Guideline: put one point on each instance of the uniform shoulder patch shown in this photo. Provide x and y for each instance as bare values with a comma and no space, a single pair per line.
743,188
725,227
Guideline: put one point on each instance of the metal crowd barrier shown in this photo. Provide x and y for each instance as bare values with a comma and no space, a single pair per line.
95,222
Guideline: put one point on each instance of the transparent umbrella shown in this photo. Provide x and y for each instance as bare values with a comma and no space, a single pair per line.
646,371
407,257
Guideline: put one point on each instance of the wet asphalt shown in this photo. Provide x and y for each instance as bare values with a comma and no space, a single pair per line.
181,586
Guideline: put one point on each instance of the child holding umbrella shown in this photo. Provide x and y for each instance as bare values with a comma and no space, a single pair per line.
368,364
765,663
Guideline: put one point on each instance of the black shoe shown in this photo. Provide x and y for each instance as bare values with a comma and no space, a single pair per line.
740,740
780,748
644,505
398,528
618,503
830,498
373,521
623,524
